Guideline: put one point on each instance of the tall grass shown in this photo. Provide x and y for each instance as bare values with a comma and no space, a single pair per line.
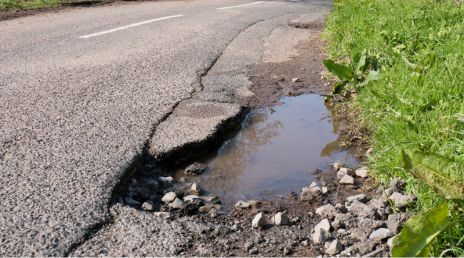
420,94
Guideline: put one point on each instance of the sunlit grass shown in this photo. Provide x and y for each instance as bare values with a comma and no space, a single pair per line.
407,107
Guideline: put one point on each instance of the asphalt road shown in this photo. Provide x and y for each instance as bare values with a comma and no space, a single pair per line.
82,90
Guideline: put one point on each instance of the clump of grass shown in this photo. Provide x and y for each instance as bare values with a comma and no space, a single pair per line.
419,98
26,5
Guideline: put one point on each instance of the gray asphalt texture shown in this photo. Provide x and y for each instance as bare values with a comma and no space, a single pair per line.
76,112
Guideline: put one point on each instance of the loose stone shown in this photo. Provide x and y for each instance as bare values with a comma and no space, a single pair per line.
337,165
195,188
347,180
258,221
380,234
162,214
346,171
169,197
324,190
326,211
176,204
362,172
324,224
147,206
166,180
295,79
280,218
402,200
334,248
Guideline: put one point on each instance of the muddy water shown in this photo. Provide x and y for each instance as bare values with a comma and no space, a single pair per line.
277,151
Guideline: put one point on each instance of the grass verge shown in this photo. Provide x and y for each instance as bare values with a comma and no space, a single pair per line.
418,101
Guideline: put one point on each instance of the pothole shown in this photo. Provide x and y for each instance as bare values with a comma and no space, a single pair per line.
278,150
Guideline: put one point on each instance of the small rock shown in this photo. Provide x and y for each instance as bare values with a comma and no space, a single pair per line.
196,169
195,188
369,151
326,211
341,219
304,243
176,204
259,221
346,171
169,197
295,220
242,205
360,197
341,232
340,174
334,248
313,184
295,79
362,172
190,198
337,165
148,206
324,224
347,180
380,234
280,218
361,210
183,179
310,193
402,200
395,222
324,190
319,236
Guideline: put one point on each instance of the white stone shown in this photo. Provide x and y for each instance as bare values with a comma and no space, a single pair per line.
347,180
362,172
147,206
195,188
319,236
176,204
295,79
379,234
324,224
402,200
162,214
258,221
313,184
280,218
346,171
169,197
334,248
324,190
326,211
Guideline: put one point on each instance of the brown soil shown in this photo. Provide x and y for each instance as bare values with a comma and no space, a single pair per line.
270,81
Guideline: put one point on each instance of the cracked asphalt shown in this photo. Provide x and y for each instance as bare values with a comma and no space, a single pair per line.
76,112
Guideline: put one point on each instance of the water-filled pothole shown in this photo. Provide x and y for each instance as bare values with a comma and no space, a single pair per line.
276,152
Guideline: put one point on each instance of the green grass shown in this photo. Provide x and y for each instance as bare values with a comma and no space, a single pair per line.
26,5
408,108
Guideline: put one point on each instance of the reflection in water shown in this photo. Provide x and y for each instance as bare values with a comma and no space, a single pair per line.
277,151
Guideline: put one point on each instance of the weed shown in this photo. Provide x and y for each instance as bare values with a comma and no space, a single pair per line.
418,100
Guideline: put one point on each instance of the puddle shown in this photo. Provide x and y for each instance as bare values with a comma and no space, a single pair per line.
276,152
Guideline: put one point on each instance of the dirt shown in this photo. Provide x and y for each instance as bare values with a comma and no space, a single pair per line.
271,81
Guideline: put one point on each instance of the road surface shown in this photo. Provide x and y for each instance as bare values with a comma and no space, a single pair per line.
83,90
